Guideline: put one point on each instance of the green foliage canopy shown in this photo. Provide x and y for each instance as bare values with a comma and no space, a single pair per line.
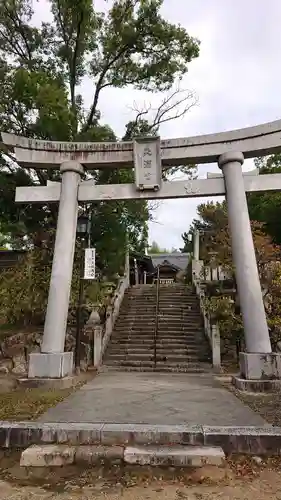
266,207
41,71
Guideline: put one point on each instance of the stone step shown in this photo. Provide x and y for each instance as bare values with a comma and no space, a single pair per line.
179,342
141,319
163,328
178,304
153,455
136,307
143,298
174,358
140,301
186,331
182,315
185,310
171,304
190,330
136,318
134,323
172,347
147,295
163,290
236,439
192,349
181,357
168,309
190,318
165,337
177,456
150,344
149,338
140,322
150,363
162,331
136,339
177,296
181,307
160,350
161,369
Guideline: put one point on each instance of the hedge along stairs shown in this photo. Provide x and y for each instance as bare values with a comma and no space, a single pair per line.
180,342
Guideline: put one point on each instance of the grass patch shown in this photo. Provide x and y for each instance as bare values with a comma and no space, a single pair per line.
29,404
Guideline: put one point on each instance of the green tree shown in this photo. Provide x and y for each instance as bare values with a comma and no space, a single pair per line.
155,248
187,242
41,69
266,207
215,241
212,219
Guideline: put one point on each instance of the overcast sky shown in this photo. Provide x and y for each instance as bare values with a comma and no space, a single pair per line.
237,78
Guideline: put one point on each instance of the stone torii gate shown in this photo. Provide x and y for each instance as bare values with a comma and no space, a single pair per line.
148,156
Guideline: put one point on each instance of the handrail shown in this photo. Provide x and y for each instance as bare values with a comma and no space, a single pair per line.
212,331
156,315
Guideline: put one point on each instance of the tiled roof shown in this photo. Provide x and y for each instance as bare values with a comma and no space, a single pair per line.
176,259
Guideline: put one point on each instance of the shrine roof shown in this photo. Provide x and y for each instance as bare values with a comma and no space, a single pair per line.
176,259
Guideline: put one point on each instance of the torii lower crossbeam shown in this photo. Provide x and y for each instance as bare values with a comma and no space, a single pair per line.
178,189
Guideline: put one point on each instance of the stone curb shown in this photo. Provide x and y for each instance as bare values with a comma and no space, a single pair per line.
256,386
178,456
250,440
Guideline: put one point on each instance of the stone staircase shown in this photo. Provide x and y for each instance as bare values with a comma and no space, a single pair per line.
180,342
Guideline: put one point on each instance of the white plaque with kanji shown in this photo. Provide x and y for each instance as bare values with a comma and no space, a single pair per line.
147,163
90,264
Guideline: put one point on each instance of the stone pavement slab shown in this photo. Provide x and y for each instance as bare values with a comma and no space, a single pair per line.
154,398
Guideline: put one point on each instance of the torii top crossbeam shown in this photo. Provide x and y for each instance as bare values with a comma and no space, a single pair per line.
260,140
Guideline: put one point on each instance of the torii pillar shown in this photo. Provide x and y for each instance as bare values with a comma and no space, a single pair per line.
52,361
258,362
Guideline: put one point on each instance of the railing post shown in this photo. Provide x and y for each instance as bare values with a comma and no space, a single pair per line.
216,348
156,316
211,331
97,345
136,272
127,266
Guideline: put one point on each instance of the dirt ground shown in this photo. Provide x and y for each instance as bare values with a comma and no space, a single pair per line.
241,479
260,490
267,405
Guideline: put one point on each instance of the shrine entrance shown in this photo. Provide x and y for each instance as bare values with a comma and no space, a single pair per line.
148,156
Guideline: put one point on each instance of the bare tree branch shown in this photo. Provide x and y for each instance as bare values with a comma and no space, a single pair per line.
153,205
175,105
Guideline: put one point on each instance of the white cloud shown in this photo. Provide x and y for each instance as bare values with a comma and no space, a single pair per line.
237,79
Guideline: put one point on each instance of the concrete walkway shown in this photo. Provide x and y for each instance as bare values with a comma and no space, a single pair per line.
154,398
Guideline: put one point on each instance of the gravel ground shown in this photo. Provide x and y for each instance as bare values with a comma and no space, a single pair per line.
267,405
260,489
